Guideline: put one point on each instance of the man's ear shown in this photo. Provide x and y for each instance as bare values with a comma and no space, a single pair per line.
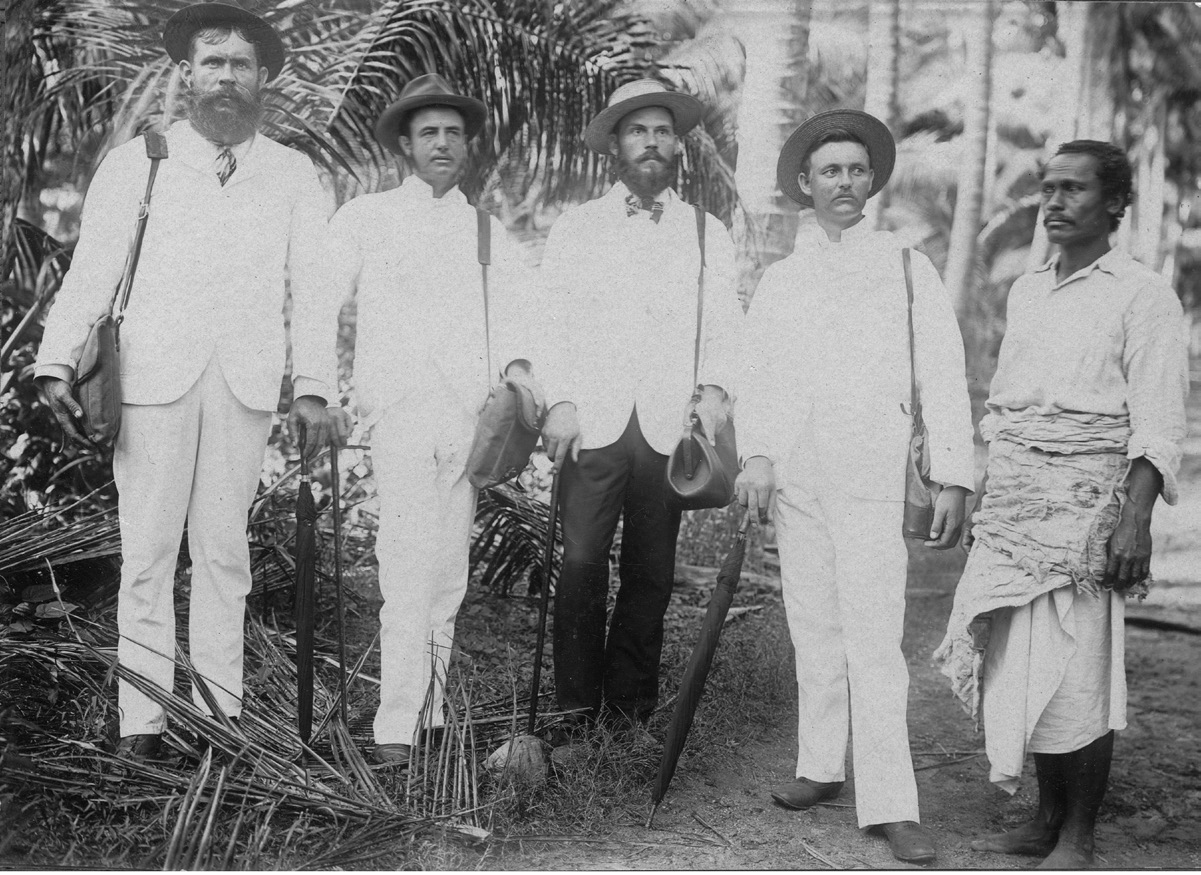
613,144
185,72
263,75
802,179
406,146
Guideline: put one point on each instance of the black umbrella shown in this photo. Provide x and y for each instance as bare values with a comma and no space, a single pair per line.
693,684
548,557
306,593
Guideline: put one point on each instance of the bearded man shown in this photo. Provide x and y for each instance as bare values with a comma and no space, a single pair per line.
203,350
617,359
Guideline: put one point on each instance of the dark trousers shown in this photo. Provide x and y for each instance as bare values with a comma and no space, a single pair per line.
622,672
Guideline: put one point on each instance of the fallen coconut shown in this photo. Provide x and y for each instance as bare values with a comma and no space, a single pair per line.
522,758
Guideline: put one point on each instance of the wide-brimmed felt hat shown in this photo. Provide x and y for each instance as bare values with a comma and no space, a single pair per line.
177,35
684,108
881,148
428,90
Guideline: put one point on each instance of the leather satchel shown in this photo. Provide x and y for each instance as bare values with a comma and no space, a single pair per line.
700,475
918,517
98,373
509,425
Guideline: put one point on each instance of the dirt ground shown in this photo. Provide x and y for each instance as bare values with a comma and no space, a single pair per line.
718,814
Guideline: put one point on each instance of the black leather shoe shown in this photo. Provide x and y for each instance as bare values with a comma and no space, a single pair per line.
803,793
909,841
140,748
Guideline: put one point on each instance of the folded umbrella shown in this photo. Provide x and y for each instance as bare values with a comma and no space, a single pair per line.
693,684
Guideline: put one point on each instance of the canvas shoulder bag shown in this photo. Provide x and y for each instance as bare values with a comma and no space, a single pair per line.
509,425
98,373
919,494
700,475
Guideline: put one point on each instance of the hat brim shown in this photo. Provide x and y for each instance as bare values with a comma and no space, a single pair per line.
387,127
685,109
881,149
177,35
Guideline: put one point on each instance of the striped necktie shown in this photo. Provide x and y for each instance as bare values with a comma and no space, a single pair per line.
635,203
226,165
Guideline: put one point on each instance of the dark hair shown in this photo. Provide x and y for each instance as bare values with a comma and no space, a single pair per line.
834,135
219,33
1113,169
406,120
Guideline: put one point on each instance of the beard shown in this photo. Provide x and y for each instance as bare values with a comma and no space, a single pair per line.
225,116
647,175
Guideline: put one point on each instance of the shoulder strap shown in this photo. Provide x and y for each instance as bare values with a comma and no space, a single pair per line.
915,402
156,151
700,294
483,251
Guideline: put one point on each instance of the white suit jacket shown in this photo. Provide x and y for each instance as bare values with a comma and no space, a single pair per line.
619,319
420,338
212,277
827,387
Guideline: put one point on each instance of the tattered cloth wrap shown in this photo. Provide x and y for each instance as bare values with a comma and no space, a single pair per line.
1056,486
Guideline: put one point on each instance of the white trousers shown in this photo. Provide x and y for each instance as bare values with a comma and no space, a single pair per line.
426,513
197,458
843,564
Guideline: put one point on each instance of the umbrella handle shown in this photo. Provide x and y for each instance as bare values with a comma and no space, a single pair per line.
544,600
303,439
336,513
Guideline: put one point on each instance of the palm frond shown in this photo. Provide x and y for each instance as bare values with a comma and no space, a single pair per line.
510,536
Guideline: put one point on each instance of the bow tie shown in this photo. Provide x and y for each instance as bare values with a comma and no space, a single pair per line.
635,203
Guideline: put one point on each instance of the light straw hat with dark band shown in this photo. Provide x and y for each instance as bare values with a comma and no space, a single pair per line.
881,148
428,90
177,35
685,109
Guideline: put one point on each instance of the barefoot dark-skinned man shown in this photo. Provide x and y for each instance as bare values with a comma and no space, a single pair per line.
1085,420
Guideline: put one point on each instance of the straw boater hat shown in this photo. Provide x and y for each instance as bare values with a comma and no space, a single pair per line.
428,90
881,149
684,108
177,35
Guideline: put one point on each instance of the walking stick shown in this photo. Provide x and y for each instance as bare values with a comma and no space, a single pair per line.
547,560
336,511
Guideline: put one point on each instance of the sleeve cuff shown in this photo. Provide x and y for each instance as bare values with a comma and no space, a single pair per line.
1164,455
61,372
302,386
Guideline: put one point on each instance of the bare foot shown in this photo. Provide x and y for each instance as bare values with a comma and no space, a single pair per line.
1069,854
1033,839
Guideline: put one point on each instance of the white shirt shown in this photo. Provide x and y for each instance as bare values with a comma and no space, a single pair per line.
828,364
1107,341
619,321
420,335
211,279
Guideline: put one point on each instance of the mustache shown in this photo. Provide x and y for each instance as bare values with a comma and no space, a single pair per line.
651,156
225,114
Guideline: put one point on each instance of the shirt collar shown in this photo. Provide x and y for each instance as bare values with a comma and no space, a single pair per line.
1108,263
192,145
814,235
619,191
416,190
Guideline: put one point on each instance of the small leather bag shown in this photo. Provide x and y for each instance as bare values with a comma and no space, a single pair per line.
98,372
919,492
700,475
509,425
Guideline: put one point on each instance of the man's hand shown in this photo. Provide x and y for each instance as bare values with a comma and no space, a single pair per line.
948,518
522,375
1130,544
561,434
713,410
755,486
322,426
57,395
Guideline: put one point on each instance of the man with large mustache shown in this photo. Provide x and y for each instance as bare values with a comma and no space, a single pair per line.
620,294
203,350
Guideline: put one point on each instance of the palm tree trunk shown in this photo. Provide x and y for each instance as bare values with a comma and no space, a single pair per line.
16,69
1151,172
969,199
883,53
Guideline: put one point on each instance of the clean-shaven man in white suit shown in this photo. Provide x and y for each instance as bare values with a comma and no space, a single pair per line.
203,349
620,287
824,432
